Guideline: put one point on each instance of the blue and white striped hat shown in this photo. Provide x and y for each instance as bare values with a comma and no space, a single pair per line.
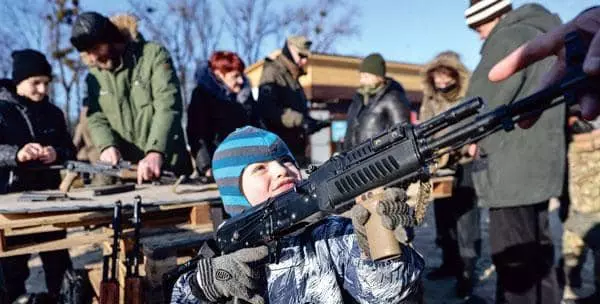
240,149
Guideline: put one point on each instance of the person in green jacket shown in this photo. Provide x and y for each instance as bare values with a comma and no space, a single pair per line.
135,105
516,173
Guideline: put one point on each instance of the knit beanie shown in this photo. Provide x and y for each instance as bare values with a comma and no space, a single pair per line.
484,11
28,63
240,149
91,28
373,64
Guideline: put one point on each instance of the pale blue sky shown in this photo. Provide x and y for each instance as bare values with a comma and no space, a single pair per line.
409,31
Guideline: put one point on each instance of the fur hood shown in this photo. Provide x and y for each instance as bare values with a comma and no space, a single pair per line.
433,100
127,25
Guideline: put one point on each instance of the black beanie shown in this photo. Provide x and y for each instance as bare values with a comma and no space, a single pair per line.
373,64
91,28
28,63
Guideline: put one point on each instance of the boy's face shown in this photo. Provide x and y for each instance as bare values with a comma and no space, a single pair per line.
263,180
35,88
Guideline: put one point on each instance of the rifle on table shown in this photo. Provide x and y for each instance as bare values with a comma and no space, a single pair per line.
134,287
123,170
400,155
109,287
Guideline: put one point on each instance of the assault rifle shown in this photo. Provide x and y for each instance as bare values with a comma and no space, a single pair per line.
109,287
400,155
134,288
123,170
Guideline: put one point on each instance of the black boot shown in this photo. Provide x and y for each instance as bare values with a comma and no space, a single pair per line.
466,279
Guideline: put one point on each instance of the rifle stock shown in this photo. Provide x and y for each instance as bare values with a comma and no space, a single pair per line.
109,288
398,156
134,285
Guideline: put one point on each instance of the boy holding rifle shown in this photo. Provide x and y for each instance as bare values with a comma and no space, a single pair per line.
327,263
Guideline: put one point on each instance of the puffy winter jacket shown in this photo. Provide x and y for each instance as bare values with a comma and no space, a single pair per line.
213,113
21,122
323,265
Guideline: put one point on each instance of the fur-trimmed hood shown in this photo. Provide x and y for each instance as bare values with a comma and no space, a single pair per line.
127,25
434,100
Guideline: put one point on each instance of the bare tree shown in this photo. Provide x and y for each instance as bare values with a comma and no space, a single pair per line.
64,56
324,21
251,23
188,28
20,28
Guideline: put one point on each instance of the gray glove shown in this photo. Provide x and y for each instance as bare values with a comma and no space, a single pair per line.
395,215
232,275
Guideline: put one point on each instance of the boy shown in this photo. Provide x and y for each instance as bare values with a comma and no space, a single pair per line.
33,132
327,263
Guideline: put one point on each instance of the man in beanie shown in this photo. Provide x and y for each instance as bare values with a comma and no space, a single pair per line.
518,172
134,98
33,133
326,263
445,82
281,99
379,103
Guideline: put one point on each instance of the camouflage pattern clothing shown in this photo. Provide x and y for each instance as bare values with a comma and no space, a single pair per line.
324,265
582,227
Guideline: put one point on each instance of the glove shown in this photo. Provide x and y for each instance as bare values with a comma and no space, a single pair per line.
239,274
395,215
291,118
311,125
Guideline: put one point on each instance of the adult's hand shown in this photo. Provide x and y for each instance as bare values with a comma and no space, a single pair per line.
29,152
48,155
149,167
110,155
552,43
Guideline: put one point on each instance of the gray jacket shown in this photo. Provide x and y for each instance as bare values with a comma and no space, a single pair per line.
523,167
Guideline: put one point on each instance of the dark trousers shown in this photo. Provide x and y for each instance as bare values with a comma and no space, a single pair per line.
457,228
16,270
522,251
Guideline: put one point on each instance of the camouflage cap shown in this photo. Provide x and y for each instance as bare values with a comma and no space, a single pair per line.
301,43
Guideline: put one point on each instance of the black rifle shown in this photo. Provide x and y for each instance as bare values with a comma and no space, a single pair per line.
123,170
109,288
134,287
400,155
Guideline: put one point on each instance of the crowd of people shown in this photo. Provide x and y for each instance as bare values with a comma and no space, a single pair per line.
254,149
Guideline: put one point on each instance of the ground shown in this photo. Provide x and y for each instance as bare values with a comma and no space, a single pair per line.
435,291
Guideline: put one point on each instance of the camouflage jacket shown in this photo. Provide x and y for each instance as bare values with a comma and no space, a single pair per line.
323,265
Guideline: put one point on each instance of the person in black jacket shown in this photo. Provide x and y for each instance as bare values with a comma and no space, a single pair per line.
33,133
221,103
379,103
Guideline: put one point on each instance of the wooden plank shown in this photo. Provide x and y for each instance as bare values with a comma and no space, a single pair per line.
200,214
2,241
69,242
31,230
71,219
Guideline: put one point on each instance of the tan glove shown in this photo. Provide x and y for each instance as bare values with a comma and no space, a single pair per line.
291,118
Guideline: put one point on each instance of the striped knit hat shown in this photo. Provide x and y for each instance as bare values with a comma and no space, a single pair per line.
483,11
240,149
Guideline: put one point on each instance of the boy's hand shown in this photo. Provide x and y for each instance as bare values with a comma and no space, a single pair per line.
395,215
238,274
29,152
48,155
